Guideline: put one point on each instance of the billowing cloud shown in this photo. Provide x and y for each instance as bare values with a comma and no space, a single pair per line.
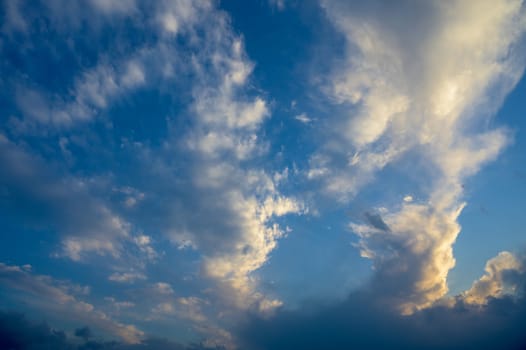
502,278
126,277
418,88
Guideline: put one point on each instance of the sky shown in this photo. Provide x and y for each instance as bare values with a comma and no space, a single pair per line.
266,174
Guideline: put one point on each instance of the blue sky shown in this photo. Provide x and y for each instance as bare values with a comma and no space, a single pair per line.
194,171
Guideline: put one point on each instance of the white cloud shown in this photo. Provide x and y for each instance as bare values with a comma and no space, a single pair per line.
303,118
420,77
220,201
190,308
126,277
163,288
119,305
133,75
187,308
176,16
92,93
85,224
169,23
76,247
115,6
233,204
497,281
413,257
279,4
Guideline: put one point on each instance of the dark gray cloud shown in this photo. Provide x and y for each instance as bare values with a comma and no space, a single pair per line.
19,333
358,323
364,321
84,333
376,221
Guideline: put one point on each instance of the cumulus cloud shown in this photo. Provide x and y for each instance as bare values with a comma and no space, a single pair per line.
126,277
501,278
163,288
13,18
304,118
417,88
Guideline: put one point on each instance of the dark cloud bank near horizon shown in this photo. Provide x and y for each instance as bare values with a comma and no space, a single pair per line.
17,332
362,321
358,324
368,320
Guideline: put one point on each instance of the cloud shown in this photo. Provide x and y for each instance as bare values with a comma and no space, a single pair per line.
163,288
232,225
17,332
86,224
220,203
84,333
119,305
117,72
395,104
114,6
361,321
202,184
93,92
303,118
417,89
207,182
126,277
500,279
279,4
376,221
55,297
187,308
